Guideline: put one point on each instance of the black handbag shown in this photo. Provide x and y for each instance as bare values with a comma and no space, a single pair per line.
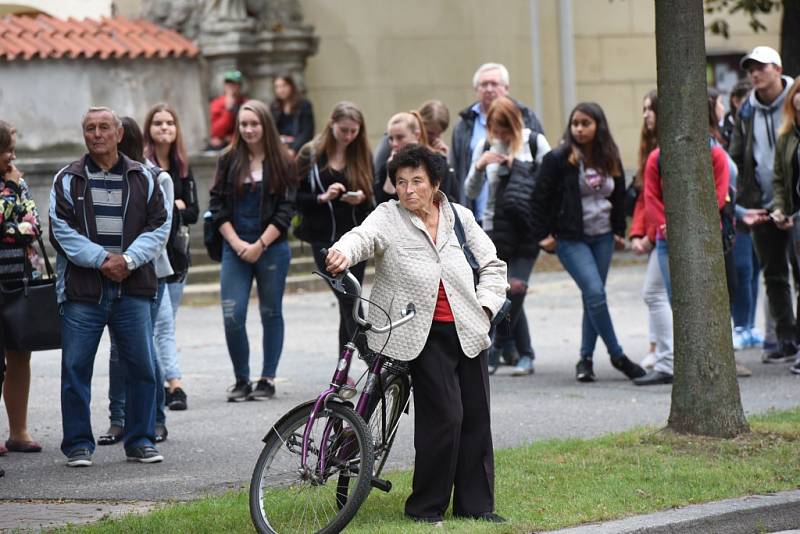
502,313
29,311
212,239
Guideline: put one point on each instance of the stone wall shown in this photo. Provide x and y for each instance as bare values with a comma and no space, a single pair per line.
45,99
389,56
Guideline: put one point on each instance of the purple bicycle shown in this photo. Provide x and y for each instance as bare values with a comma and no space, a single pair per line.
321,459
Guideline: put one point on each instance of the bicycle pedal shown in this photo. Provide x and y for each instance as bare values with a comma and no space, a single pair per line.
383,485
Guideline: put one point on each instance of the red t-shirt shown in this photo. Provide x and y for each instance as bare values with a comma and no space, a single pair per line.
442,313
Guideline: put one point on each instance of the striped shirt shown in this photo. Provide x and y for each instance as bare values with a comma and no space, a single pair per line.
106,191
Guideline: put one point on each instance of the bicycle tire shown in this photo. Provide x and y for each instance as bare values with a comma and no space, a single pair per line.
307,501
396,391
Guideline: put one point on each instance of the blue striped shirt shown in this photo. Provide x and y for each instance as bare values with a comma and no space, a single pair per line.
106,191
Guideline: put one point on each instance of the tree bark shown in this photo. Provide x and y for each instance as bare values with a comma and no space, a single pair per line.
790,38
705,393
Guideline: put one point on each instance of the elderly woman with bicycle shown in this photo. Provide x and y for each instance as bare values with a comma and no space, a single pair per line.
417,245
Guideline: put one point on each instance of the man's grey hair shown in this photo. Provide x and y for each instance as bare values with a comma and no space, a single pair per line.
98,109
491,66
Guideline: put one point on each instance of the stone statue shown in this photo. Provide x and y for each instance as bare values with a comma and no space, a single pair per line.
186,16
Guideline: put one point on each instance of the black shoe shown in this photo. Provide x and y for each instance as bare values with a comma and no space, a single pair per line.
177,400
146,454
113,435
510,355
264,389
161,433
489,517
239,391
421,519
785,352
630,369
167,396
652,378
584,370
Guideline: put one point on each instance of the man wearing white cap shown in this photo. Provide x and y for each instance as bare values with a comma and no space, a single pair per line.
753,149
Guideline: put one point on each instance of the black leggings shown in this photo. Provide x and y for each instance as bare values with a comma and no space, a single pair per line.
347,324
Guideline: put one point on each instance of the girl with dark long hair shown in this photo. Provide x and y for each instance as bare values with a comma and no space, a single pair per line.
643,238
335,192
292,113
252,203
579,213
164,147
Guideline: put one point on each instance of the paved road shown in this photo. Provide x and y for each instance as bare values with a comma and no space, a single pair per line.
214,444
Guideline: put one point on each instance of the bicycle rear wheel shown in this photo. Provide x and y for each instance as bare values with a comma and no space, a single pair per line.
287,497
383,415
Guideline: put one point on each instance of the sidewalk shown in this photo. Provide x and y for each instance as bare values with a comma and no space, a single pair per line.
213,445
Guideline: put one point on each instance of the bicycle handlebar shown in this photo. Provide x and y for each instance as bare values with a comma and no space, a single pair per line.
347,284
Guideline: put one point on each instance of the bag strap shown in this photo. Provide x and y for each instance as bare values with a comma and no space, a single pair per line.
462,241
47,265
533,145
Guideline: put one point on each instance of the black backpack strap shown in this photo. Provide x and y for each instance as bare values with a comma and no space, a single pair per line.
533,145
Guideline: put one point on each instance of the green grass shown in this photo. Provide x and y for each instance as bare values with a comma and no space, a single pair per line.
557,483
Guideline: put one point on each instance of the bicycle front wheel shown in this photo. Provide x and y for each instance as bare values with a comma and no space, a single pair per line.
286,496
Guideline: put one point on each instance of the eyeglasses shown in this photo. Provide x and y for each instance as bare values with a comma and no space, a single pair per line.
488,84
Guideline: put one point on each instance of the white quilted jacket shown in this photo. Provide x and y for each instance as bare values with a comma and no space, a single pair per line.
408,269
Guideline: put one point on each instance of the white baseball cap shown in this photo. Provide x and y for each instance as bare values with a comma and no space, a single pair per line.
762,54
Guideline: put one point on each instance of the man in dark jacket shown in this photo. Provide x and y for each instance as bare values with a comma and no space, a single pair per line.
752,147
107,223
490,81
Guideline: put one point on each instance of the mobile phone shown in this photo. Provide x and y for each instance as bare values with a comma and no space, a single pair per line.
350,194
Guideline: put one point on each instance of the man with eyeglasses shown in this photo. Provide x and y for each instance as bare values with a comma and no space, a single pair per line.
753,149
490,82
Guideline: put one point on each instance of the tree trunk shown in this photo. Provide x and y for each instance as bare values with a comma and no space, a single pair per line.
705,393
790,38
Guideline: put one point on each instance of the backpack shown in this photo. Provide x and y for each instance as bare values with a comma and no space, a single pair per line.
518,190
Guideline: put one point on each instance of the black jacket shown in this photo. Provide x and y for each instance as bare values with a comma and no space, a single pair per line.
299,124
72,220
323,223
276,209
556,206
460,153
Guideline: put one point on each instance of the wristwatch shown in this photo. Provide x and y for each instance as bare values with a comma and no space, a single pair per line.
129,262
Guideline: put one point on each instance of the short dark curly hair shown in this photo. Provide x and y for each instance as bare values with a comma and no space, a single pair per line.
414,156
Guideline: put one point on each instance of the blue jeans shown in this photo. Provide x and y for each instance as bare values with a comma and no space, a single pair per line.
745,296
82,325
116,374
164,331
236,281
587,261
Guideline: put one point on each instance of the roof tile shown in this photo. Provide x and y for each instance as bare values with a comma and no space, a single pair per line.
49,37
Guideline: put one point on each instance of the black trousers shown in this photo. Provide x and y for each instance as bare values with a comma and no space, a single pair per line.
770,244
347,325
452,429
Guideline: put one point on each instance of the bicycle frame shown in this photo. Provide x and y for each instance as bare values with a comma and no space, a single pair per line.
339,378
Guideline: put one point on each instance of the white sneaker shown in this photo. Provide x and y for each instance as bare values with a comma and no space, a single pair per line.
649,360
741,338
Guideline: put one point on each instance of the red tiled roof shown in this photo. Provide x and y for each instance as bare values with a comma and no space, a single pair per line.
48,37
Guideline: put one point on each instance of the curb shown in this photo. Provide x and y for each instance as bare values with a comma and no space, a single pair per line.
742,515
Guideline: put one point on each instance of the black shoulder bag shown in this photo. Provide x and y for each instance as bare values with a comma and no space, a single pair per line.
29,310
502,313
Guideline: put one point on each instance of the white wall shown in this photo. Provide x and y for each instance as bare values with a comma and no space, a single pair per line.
69,8
50,96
